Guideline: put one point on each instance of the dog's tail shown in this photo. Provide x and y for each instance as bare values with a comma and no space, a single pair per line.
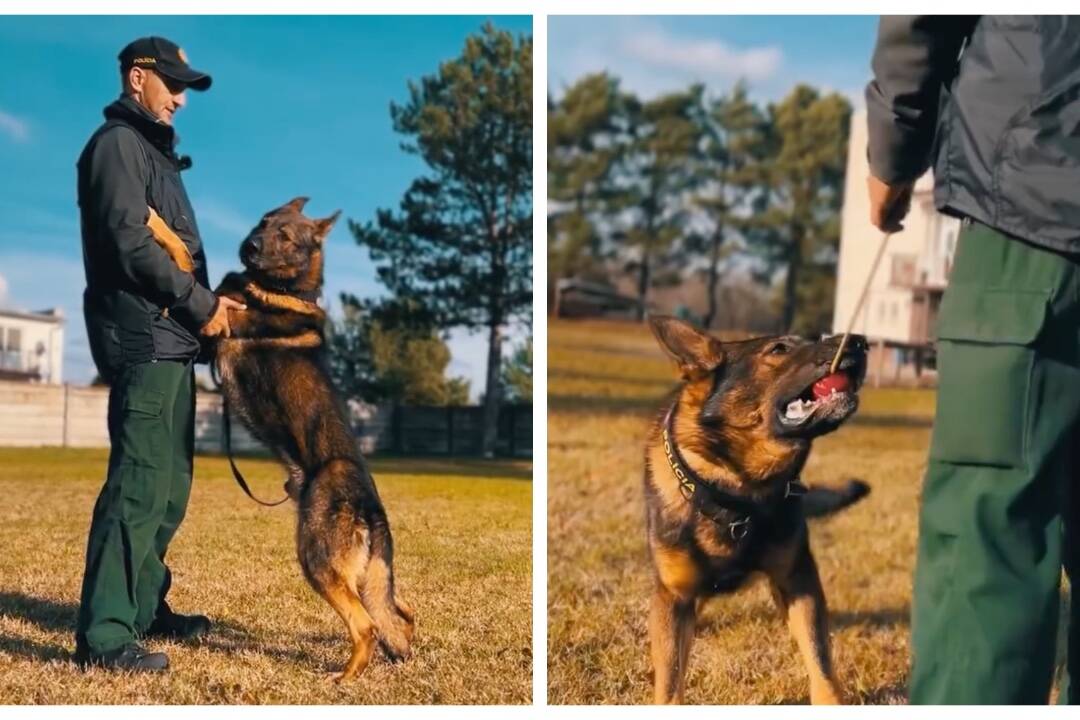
821,501
394,619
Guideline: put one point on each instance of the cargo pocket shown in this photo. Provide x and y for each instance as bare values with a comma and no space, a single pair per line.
985,359
143,427
142,473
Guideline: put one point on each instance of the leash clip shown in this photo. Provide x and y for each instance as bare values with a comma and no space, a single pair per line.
739,528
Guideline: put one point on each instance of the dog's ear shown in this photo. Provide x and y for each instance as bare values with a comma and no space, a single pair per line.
322,227
695,352
296,204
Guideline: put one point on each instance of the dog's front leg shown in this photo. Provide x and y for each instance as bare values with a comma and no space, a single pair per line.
672,622
800,597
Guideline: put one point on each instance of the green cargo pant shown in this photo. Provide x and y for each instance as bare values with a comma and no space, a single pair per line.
1000,512
152,431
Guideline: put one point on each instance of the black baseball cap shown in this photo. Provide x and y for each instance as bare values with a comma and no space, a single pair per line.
166,58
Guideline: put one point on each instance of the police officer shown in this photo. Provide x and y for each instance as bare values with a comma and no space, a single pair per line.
147,315
1000,511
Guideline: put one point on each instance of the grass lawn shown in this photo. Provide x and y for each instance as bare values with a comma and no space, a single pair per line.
463,559
606,381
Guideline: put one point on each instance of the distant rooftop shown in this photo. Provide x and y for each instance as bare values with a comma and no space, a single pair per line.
52,315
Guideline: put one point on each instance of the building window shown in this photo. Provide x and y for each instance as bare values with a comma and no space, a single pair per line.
903,270
10,348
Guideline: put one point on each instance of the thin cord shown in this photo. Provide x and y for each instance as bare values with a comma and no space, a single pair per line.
859,304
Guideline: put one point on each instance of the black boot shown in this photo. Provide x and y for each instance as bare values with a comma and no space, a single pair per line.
173,626
132,657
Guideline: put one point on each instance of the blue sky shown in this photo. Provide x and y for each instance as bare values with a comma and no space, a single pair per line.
299,106
655,54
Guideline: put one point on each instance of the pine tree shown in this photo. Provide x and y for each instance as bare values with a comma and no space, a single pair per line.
580,155
460,243
517,373
734,142
655,174
380,352
806,155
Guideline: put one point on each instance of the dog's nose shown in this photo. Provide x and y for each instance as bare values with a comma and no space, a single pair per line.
253,243
858,342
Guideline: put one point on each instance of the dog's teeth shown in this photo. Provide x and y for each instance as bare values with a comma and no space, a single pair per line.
797,409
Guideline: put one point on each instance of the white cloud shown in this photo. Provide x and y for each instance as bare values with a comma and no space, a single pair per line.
3,291
651,59
222,218
705,59
14,127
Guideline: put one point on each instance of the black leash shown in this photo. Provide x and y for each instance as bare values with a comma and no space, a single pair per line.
227,427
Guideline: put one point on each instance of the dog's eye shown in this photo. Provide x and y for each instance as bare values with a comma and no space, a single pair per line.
779,349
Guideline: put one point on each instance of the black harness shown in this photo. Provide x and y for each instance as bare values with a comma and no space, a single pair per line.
748,521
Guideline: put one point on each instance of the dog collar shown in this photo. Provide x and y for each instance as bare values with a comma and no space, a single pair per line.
281,301
738,513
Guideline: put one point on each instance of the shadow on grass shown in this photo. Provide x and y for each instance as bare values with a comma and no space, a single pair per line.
435,465
240,641
49,615
660,384
894,693
606,350
501,469
599,405
883,619
53,616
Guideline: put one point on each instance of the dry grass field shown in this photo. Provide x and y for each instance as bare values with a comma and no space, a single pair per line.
463,548
606,381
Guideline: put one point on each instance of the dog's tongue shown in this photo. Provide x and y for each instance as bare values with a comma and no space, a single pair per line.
837,382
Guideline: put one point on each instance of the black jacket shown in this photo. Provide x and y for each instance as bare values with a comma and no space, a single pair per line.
1001,96
139,306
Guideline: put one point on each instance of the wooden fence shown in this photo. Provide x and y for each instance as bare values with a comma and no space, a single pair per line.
73,416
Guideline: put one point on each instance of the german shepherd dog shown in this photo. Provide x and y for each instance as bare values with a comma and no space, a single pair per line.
274,375
722,493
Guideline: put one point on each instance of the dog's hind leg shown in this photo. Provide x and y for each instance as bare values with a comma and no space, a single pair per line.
395,621
672,621
799,596
346,602
333,575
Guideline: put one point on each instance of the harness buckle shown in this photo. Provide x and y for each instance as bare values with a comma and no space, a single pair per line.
794,488
739,528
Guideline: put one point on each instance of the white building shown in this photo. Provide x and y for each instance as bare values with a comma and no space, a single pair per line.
32,346
901,307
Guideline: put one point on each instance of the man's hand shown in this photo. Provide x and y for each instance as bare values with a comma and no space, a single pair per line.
889,204
218,324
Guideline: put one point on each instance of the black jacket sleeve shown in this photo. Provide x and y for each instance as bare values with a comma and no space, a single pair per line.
914,57
118,176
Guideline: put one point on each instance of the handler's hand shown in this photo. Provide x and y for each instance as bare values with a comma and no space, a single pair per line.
218,324
889,204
